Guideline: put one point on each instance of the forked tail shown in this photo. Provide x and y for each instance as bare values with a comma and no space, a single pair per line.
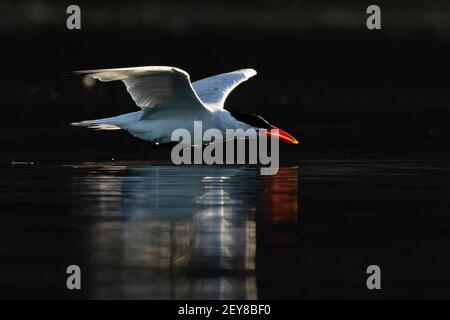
113,123
96,125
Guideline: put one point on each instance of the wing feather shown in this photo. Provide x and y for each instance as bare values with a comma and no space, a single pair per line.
167,87
213,91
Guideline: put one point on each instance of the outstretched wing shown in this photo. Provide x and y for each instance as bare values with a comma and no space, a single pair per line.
213,91
166,87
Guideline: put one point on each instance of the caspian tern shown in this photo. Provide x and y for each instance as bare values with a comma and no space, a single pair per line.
168,101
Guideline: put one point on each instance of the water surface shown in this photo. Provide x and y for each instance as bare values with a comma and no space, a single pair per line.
156,231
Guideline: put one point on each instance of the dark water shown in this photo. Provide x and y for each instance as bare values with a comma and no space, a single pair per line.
156,231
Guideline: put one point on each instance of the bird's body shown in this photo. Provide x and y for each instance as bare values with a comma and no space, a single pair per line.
158,127
169,101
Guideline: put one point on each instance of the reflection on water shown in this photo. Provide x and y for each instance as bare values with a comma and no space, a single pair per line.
146,231
179,232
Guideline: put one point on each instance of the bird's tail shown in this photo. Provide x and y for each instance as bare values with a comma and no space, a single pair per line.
113,123
96,125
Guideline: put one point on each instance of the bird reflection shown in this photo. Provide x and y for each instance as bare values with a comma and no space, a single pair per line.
178,232
281,206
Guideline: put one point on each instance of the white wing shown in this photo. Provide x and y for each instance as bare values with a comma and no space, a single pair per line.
214,90
166,87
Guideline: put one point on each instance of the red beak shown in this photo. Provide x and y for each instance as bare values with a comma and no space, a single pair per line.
282,135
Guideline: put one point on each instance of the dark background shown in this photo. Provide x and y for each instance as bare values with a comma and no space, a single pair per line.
321,73
349,94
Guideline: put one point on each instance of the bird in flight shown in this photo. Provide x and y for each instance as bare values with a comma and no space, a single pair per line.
168,101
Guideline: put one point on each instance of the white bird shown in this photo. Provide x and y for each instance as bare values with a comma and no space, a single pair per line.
168,101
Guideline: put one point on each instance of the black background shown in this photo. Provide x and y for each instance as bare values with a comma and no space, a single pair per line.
322,75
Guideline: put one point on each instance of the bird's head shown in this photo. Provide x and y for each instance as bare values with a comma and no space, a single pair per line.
258,122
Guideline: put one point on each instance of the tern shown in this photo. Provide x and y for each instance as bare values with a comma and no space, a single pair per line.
168,101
